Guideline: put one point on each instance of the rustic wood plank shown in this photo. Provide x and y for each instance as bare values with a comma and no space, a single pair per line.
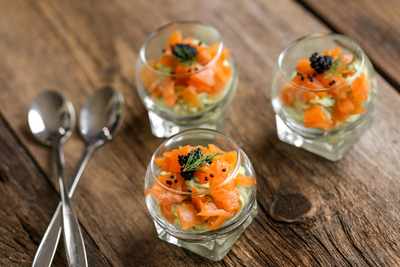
374,25
77,45
27,204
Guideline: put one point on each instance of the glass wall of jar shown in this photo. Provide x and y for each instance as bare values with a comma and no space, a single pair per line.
323,93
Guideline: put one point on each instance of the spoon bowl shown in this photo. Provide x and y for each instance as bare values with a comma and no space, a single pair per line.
102,115
51,118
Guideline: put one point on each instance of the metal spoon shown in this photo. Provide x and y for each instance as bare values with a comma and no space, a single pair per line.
99,121
52,120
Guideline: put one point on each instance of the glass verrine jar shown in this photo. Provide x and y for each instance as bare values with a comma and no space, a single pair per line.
186,77
228,191
326,105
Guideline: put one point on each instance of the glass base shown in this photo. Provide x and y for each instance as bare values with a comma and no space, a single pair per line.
162,128
332,150
215,249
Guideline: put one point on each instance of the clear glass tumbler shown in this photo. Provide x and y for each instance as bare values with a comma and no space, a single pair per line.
212,244
348,104
207,107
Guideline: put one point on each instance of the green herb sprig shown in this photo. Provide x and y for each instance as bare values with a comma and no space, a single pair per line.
339,65
195,163
184,52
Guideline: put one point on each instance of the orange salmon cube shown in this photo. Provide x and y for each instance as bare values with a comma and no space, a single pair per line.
288,95
187,216
166,208
191,97
359,90
316,117
345,105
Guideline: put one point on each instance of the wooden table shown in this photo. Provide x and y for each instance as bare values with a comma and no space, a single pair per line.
75,46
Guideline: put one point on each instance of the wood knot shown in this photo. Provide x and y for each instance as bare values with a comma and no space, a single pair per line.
291,208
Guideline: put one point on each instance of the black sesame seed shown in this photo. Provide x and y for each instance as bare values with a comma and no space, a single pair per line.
224,170
333,81
195,69
169,182
172,73
190,191
302,78
163,50
190,70
206,178
176,180
172,176
200,43
298,73
211,175
311,78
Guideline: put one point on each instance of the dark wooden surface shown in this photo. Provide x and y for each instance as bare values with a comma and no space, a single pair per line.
75,46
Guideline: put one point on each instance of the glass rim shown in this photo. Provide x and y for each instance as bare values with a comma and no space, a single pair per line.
340,36
204,192
142,51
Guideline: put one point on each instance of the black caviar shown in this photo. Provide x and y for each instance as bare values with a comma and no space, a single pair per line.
182,159
320,63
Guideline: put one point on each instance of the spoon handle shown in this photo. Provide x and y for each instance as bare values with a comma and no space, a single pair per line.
48,245
74,245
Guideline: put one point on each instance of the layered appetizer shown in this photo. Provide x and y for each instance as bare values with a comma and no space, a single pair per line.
197,170
329,101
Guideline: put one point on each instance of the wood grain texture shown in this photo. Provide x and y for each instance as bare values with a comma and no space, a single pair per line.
75,46
374,25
